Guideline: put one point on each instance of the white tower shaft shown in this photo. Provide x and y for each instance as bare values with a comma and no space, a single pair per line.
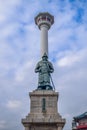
44,22
44,40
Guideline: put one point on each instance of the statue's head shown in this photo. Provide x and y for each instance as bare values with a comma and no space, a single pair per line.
44,57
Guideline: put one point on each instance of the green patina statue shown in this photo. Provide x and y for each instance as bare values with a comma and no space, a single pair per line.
44,68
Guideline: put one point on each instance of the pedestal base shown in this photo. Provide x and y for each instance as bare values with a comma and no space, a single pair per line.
43,112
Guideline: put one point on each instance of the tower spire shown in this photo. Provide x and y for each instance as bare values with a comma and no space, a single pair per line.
44,22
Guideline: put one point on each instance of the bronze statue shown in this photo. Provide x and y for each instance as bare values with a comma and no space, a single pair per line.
44,68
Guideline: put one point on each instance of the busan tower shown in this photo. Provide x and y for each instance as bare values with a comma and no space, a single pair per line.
44,113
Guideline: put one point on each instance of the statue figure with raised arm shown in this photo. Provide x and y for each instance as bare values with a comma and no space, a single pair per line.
44,68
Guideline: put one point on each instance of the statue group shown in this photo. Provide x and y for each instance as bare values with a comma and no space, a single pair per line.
44,68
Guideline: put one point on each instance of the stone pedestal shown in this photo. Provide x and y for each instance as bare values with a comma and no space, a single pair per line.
43,111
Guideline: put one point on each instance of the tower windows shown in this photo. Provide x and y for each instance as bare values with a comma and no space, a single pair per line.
44,18
48,19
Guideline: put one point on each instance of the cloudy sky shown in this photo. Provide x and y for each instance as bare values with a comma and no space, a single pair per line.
20,51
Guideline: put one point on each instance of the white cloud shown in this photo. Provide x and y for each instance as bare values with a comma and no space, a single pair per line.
22,71
13,104
2,124
68,60
71,58
6,9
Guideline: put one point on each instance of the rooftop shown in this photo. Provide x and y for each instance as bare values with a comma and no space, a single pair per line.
84,115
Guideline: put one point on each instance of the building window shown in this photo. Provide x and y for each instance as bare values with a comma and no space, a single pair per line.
48,19
44,18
